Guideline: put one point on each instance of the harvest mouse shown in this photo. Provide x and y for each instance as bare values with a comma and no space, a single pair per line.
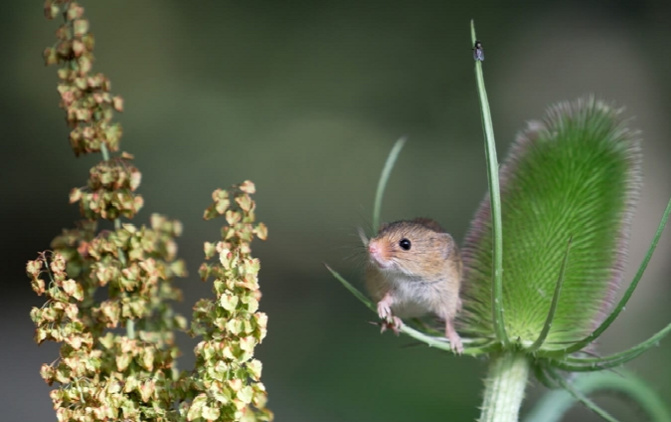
415,268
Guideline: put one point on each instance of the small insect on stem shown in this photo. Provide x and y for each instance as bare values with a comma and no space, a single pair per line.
478,52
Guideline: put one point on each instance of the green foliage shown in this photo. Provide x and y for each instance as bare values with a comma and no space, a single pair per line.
545,252
575,174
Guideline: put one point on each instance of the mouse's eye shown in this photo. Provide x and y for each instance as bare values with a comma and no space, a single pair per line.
404,244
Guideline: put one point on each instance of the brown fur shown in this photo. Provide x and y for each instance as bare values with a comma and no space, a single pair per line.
424,279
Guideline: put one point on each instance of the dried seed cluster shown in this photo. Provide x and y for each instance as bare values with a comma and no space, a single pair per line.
227,376
98,282
110,193
104,375
85,97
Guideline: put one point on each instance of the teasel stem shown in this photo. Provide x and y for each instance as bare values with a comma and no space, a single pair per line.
504,387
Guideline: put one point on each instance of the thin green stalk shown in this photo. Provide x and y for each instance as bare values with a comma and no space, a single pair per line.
130,324
553,306
362,297
382,183
495,201
542,376
105,152
504,387
553,406
580,364
441,343
578,395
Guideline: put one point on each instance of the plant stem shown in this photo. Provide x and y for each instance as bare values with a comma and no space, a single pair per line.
384,177
495,202
504,387
553,406
104,151
130,324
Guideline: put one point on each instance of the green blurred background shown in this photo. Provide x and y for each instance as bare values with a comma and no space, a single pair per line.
305,99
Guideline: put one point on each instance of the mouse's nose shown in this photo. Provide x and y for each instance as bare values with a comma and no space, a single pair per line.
379,254
376,252
373,248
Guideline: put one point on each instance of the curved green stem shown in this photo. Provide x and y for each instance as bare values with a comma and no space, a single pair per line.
580,364
504,387
553,405
382,183
362,298
553,306
471,347
495,201
578,395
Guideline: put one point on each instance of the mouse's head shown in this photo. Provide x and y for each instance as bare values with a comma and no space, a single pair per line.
416,248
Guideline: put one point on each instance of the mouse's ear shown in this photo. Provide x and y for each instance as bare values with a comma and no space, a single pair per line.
448,251
429,224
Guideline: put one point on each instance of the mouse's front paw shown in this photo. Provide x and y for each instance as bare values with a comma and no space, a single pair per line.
388,319
384,309
393,323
